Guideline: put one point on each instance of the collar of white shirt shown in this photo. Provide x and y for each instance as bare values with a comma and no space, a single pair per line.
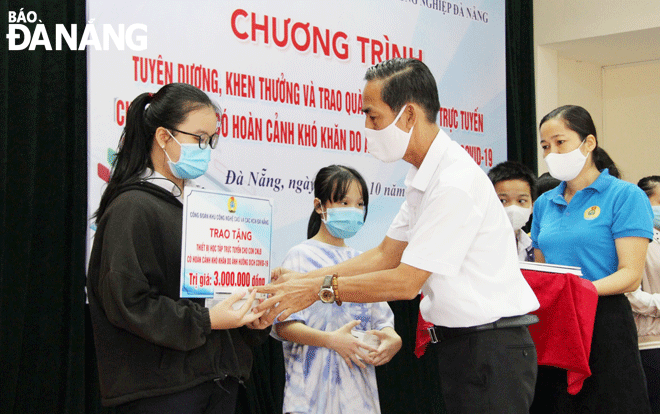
420,177
163,182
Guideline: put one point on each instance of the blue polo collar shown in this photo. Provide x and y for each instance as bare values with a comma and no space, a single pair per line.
602,182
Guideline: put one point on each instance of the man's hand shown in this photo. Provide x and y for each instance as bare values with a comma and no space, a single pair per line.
390,343
280,274
287,297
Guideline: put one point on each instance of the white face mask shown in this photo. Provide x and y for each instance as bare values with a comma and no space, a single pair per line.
518,216
565,167
390,143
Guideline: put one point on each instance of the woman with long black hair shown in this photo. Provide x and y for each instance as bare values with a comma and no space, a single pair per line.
157,352
603,225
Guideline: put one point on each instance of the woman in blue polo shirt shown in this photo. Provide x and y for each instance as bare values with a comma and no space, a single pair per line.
603,225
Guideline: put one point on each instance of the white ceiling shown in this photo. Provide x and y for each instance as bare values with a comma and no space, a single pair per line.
615,49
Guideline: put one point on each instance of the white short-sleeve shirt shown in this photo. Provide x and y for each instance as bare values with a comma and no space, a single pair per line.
457,229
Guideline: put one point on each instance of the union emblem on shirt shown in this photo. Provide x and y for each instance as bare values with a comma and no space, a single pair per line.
591,213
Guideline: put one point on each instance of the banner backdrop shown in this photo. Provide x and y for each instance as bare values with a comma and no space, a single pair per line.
288,77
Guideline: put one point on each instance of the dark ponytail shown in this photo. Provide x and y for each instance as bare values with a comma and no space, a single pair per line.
579,120
169,108
603,160
332,184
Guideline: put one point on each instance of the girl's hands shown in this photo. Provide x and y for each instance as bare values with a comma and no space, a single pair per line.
349,347
224,316
390,343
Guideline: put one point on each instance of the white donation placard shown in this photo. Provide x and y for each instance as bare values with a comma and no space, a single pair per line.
226,243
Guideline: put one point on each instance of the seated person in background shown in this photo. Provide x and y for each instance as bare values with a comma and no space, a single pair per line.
645,301
515,185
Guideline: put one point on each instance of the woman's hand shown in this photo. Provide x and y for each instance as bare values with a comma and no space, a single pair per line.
224,316
631,252
349,347
390,343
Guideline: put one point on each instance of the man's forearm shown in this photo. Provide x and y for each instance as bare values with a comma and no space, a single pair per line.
401,283
385,256
379,275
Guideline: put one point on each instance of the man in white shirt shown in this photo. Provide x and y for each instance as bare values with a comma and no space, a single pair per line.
451,239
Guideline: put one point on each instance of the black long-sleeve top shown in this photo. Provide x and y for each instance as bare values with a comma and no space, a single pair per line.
148,340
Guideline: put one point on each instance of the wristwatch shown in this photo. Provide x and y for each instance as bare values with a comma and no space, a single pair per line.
327,294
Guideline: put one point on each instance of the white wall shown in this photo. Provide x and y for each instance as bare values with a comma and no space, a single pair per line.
631,108
575,45
579,83
566,20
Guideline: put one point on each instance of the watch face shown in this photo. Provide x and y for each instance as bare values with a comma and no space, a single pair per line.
327,296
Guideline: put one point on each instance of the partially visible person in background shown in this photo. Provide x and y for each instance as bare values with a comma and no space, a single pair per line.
545,182
515,186
645,301
603,225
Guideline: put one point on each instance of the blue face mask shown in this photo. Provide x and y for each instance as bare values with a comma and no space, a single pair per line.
656,217
343,222
193,161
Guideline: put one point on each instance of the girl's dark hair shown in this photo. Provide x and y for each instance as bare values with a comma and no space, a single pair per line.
579,120
332,184
169,107
649,184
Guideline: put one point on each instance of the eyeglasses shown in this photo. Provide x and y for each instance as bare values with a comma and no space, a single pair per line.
204,139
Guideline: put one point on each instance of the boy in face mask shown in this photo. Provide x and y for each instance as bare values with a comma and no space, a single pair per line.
515,186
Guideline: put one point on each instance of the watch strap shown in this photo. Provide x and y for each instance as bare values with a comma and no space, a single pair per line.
335,288
327,281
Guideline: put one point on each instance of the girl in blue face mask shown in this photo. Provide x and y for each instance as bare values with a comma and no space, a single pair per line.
340,205
331,349
157,352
